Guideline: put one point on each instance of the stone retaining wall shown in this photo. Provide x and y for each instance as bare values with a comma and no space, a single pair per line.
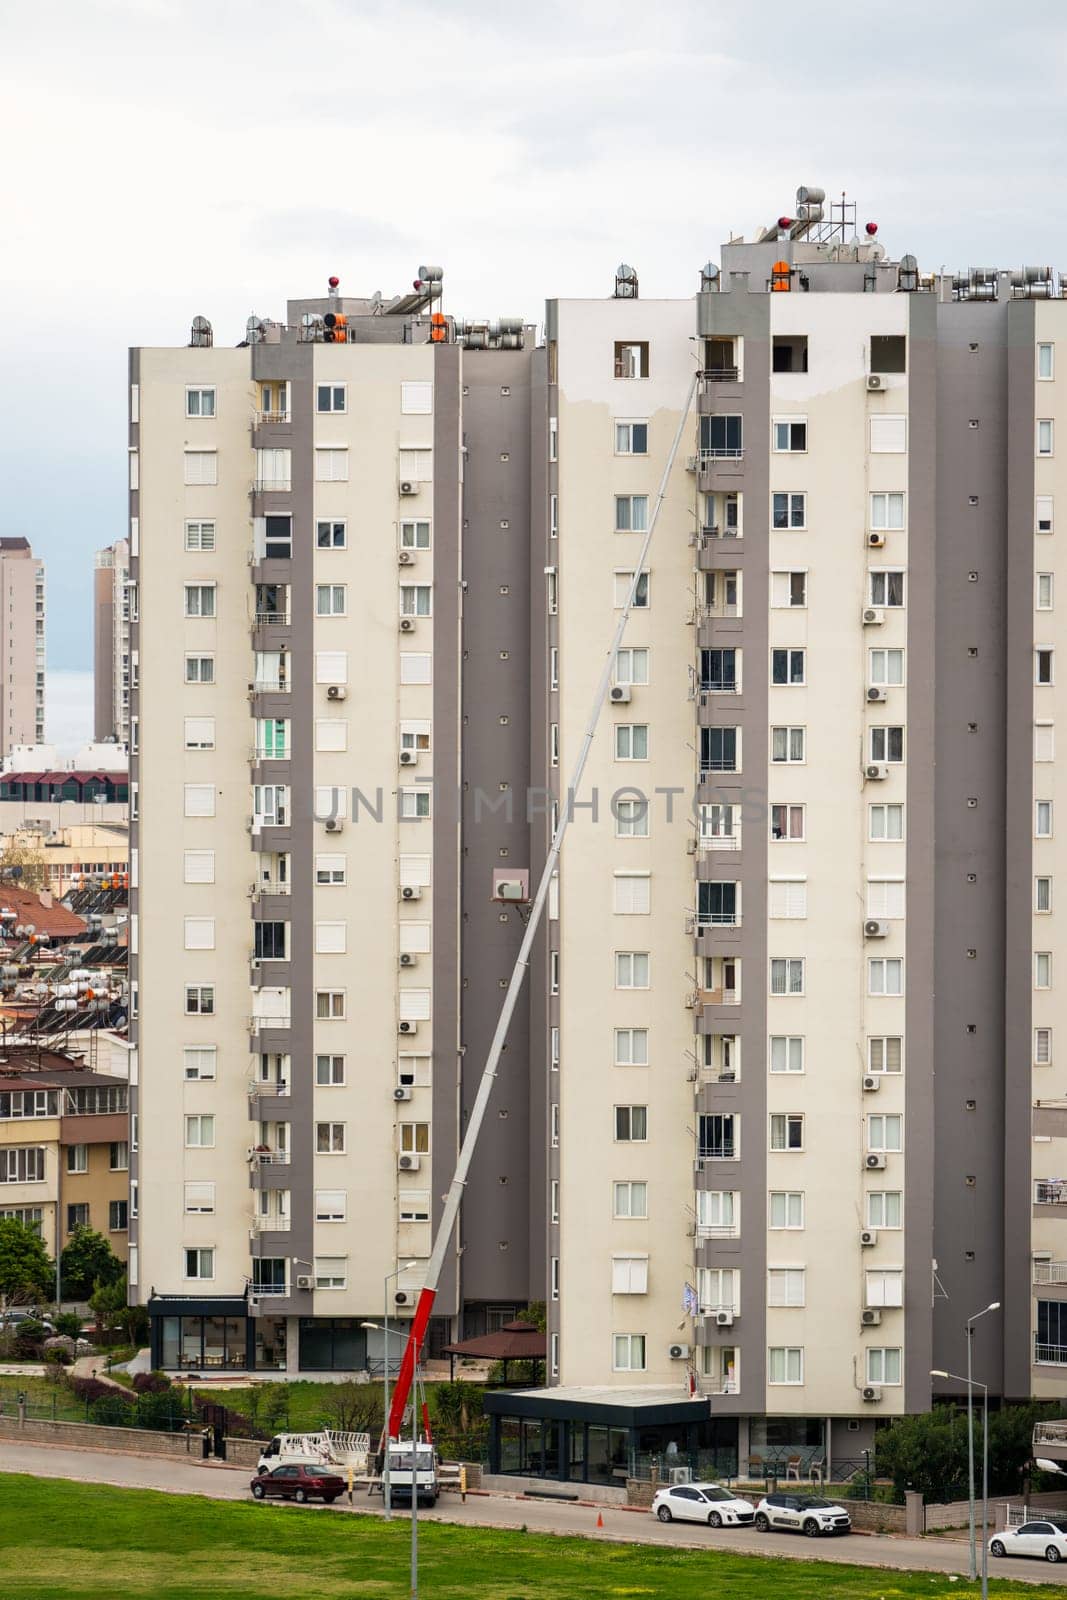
88,1436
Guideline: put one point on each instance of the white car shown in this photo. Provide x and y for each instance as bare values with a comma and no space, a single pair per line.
1047,1541
801,1513
702,1502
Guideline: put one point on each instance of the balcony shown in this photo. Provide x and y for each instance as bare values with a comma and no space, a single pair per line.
720,841
1050,1118
1050,1272
718,1230
1049,1439
1050,1192
719,997
260,1025
268,886
271,419
272,619
712,687
271,1224
270,685
1049,1355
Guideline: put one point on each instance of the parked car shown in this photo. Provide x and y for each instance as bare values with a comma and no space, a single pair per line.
701,1502
1047,1541
10,1321
299,1480
801,1513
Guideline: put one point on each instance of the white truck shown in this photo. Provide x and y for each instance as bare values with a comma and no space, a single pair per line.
328,1448
427,1483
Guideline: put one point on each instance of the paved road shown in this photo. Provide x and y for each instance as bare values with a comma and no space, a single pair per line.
498,1511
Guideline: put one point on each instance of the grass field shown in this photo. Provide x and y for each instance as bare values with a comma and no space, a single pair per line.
90,1542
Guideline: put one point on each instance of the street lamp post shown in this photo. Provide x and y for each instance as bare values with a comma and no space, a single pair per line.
985,1469
389,1277
414,1462
994,1306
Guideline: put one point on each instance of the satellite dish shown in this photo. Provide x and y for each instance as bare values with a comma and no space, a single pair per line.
202,336
254,329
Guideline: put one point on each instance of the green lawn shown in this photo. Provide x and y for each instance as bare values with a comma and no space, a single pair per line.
44,1398
89,1542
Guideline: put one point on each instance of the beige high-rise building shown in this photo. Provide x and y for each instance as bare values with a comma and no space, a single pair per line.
22,645
111,643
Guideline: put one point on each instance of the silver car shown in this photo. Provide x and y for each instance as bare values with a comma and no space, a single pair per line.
702,1502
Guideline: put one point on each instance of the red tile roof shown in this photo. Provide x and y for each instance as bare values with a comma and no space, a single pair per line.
46,914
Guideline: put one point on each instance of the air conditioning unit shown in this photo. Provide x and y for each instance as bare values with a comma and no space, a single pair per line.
250,824
875,541
871,1394
408,1025
407,624
408,1162
335,825
402,1092
873,929
691,847
692,1001
408,959
873,616
337,691
410,891
405,558
408,758
509,889
678,1352
868,1237
724,1319
870,1318
876,692
692,463
401,1297
876,772
875,1162
875,381
407,486
871,1084
305,1281
620,695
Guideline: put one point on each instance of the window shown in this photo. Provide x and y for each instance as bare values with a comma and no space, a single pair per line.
414,804
883,1365
77,1216
720,671
632,666
331,1205
415,1138
271,941
1042,1047
722,437
199,799
885,1052
787,1053
888,352
789,434
200,536
329,1071
887,587
270,808
885,667
119,1156
330,938
329,870
331,535
787,975
553,516
787,822
200,1132
887,744
199,1263
1043,819
629,1275
200,733
199,1062
786,1209
885,1286
199,933
632,894
718,1136
414,1206
787,667
789,510
631,1124
553,438
1045,362
631,741
889,435
22,1164
631,513
199,866
200,600
329,1005
1042,969
628,1352
789,589
1043,513
415,535
631,969
631,819
787,1131
718,1210
719,750
885,1208
624,583
199,1000
330,599
785,1364
77,1158
331,465
201,468
330,1138
787,745
887,512
1044,436
885,975
718,1289
631,1047
331,1272
631,438
885,897
1043,666
118,1216
885,1133
200,669
631,359
415,600
630,1200
1044,591
199,402
785,1286
787,897
416,399
1042,894
200,1199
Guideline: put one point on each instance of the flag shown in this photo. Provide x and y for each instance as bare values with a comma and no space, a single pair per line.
690,1301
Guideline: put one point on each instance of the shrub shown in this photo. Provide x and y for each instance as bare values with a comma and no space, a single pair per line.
91,1389
68,1323
56,1354
115,1409
150,1382
159,1408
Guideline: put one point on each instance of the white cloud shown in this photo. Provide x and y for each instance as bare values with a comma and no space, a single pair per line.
68,710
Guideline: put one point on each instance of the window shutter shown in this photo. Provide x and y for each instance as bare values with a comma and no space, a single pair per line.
331,734
199,799
330,938
414,667
889,435
788,897
416,399
415,1005
415,938
200,866
200,933
1044,741
331,666
885,897
632,894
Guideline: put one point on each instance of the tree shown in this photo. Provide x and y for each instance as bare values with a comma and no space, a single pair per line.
25,1271
929,1452
88,1260
32,868
108,1302
355,1408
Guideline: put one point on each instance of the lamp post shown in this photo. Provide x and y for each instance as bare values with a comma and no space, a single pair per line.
414,1463
985,1469
969,1325
389,1277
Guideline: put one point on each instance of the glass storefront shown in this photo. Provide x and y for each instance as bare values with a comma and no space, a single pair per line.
270,1344
595,1452
781,1440
332,1344
201,1343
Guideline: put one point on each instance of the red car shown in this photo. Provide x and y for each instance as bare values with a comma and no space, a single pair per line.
302,1481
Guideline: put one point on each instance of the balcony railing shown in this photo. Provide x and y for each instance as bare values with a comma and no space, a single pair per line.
712,1308
272,485
269,1158
266,419
271,1224
708,764
267,1024
720,841
269,1288
1050,1271
721,1150
711,532
722,452
271,686
718,919
270,619
1050,1192
705,613
273,886
1050,1433
720,997
719,375
278,1086
718,1230
719,686
1050,1355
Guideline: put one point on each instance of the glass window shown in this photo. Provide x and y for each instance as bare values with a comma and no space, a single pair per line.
631,1047
631,1124
199,402
885,1208
330,535
631,969
887,511
631,513
630,1200
330,397
786,1208
631,439
787,667
787,1131
785,1364
789,510
785,1286
885,1132
787,975
631,741
883,1365
787,1053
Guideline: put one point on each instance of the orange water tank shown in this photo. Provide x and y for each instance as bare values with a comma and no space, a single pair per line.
438,328
781,281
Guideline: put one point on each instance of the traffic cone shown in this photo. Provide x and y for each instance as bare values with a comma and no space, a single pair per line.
600,1519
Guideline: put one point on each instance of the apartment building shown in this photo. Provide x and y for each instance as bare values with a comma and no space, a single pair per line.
330,745
22,643
111,643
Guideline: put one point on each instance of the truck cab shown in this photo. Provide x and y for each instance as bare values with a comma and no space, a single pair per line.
401,1474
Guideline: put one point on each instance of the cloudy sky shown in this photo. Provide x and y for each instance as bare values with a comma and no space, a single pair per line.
170,157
